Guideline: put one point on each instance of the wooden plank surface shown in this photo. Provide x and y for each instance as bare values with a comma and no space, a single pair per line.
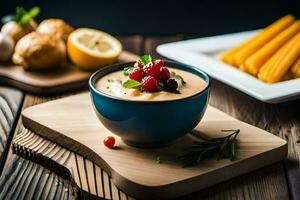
10,102
86,175
279,181
282,120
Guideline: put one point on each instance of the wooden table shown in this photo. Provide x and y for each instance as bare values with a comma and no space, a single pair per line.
279,181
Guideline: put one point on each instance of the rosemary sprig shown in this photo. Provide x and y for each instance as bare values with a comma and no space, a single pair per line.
205,148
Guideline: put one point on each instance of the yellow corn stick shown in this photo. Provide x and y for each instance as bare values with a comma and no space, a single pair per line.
295,69
262,38
254,62
274,69
290,57
242,68
227,56
266,67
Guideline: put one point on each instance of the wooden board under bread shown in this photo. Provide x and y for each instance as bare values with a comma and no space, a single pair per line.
64,79
72,123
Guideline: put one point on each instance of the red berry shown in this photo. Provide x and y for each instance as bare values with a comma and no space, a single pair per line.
159,63
152,69
136,74
138,64
109,142
149,84
164,74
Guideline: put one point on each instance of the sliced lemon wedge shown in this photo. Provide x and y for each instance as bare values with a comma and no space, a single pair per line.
92,49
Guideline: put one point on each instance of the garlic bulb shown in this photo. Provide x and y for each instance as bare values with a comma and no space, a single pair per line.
7,45
17,31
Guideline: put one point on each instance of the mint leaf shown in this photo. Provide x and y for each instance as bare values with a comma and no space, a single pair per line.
145,59
178,77
131,84
127,70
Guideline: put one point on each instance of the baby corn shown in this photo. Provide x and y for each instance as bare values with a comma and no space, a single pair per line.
295,69
254,62
275,68
261,39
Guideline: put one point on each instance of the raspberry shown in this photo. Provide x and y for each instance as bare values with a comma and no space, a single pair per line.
138,64
136,74
149,84
164,74
171,85
152,69
159,63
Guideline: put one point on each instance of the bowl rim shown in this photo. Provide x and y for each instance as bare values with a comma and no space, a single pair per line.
93,88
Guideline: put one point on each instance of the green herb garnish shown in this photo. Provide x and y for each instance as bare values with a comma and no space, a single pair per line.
131,84
21,16
158,161
205,148
145,59
127,70
178,77
160,86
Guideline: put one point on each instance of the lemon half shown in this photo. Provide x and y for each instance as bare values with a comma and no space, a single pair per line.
92,49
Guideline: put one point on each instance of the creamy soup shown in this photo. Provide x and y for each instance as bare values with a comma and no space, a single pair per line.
111,84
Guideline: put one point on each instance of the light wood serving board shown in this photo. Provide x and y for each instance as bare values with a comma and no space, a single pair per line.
64,79
72,123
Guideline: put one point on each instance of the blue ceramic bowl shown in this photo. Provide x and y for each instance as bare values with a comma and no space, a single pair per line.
149,124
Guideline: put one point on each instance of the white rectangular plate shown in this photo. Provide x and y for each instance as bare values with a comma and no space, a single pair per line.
203,52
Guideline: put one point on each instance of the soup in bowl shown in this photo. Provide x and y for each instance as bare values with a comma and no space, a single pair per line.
149,112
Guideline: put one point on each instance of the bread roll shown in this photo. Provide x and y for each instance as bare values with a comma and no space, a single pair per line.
37,51
55,27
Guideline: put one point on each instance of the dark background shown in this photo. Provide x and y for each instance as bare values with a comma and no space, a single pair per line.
203,17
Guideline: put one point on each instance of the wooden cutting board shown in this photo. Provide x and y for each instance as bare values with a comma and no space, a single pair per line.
72,123
61,80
